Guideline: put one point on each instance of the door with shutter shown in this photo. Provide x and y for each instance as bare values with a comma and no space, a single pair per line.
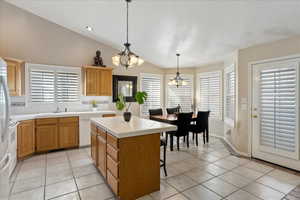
275,113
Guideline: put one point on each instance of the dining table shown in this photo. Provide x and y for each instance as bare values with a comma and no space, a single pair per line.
172,119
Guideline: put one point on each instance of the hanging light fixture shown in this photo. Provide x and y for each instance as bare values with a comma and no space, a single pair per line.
126,58
177,80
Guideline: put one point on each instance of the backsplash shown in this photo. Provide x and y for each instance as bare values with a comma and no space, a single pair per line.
20,106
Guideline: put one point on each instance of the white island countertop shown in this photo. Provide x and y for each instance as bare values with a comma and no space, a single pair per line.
117,127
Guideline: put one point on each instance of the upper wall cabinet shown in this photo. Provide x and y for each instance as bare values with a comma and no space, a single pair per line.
14,76
98,81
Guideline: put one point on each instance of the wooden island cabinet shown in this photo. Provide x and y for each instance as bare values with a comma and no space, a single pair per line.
128,154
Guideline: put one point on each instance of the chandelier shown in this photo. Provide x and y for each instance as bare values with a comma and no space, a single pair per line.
127,58
177,80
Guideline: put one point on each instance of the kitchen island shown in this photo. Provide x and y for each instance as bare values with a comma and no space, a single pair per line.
127,154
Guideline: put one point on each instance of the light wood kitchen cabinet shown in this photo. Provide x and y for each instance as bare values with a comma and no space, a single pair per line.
14,77
98,81
101,154
122,160
94,143
68,132
25,139
46,135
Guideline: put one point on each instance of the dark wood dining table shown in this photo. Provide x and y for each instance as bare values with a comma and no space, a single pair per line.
172,119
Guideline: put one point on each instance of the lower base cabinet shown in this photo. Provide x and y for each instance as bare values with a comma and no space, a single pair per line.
57,133
25,139
131,166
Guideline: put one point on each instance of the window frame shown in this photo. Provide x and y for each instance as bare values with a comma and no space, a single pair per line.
227,70
55,69
198,92
170,76
161,88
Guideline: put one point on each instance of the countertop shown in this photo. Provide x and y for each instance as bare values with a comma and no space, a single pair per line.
60,114
117,127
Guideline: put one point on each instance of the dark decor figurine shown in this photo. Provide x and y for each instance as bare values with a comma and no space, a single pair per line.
98,60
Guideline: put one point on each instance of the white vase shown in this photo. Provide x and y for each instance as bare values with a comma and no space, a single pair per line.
94,109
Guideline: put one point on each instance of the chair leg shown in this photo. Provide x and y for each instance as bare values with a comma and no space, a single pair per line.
183,138
166,138
171,142
178,143
187,140
207,136
193,136
165,152
203,138
196,139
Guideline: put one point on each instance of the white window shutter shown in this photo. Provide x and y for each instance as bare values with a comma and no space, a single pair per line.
68,89
152,85
278,108
42,89
210,93
229,95
183,95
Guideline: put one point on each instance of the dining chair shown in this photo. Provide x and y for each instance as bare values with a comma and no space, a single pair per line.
201,126
171,111
183,122
163,141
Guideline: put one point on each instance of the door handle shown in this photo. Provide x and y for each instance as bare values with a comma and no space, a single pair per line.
254,116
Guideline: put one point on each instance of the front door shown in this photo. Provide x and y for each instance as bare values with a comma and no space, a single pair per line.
275,112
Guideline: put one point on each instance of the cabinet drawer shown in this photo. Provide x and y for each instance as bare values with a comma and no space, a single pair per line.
113,167
113,141
46,121
114,153
113,183
68,119
108,115
101,133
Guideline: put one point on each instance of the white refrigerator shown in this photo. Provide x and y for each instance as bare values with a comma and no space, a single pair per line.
5,157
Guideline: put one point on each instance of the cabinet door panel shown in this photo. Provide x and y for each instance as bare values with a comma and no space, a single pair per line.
106,83
92,82
46,138
101,146
14,77
25,139
68,135
94,145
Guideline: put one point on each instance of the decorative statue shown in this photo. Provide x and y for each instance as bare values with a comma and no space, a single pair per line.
98,60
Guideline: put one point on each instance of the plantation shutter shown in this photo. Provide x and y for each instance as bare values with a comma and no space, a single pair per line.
183,95
278,108
42,86
210,94
67,87
152,85
230,95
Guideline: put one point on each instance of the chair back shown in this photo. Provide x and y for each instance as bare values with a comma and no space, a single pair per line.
183,122
171,111
202,120
158,111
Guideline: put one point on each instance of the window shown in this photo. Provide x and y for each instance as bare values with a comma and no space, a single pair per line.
53,84
151,84
229,93
210,93
67,87
183,95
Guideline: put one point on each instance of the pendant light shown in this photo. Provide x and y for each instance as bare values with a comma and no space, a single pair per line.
177,80
126,58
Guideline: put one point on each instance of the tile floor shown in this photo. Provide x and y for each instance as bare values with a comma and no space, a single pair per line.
207,172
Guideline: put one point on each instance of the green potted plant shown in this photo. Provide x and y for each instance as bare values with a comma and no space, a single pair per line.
140,98
94,105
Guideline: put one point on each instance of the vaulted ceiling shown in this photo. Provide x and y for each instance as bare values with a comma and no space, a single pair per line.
202,31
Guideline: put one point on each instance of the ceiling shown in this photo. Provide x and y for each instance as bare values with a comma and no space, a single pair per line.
202,31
